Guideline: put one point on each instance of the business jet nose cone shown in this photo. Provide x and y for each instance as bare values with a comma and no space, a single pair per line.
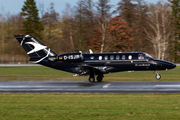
165,65
170,65
173,65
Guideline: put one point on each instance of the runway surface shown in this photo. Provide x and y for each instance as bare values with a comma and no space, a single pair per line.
86,87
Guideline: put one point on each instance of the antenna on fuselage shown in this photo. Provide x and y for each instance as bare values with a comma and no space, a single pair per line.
91,52
81,55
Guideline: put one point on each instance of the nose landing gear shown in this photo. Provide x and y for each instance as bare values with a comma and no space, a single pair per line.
158,76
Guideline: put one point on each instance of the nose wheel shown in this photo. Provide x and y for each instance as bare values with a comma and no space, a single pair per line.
158,76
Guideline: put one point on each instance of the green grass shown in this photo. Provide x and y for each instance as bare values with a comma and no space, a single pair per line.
87,106
90,106
44,73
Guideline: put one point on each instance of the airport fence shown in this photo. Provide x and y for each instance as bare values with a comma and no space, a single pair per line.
14,59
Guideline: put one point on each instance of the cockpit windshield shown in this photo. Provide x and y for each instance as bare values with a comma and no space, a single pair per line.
148,56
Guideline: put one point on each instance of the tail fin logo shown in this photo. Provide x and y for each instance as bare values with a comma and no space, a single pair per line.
37,47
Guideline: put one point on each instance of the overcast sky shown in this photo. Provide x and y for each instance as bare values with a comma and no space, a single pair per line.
14,6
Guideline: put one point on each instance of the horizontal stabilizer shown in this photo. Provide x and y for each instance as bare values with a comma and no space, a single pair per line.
19,37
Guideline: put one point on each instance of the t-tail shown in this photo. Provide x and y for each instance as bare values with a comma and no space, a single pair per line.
37,51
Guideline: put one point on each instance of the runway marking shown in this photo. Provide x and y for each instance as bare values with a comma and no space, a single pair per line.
176,86
107,85
5,87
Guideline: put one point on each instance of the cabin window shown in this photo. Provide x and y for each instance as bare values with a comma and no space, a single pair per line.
123,57
100,57
92,57
117,57
130,57
106,57
111,57
140,57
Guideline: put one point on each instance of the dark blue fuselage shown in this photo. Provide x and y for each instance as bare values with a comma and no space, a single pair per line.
109,62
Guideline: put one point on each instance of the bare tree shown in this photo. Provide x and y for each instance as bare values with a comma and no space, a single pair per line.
41,8
51,24
2,22
134,12
103,16
89,12
159,30
67,25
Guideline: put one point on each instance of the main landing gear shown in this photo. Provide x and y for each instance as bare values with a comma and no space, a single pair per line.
91,79
158,76
99,78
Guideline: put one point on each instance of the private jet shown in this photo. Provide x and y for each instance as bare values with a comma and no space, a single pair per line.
92,64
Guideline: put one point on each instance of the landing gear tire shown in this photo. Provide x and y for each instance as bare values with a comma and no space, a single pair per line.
99,78
91,79
158,76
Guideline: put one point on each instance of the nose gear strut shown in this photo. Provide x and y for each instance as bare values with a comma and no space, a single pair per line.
158,76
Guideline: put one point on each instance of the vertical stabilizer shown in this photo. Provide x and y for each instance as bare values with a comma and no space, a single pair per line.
34,48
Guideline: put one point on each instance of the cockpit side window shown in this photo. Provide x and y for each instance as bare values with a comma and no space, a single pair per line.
140,57
148,56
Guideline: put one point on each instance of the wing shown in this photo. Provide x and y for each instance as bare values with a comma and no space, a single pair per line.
85,69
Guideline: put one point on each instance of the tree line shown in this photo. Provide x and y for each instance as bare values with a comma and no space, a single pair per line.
131,26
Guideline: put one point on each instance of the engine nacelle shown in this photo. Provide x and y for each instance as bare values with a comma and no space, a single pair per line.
71,57
52,58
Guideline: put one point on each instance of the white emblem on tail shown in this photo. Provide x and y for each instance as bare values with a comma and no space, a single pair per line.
37,47
43,57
